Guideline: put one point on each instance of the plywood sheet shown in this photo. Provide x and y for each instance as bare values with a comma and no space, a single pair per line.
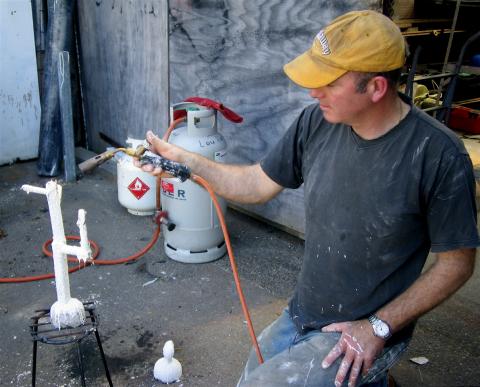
234,52
124,65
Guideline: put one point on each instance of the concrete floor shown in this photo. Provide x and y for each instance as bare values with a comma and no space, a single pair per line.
196,306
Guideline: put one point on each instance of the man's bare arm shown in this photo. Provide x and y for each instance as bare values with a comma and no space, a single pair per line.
239,183
448,273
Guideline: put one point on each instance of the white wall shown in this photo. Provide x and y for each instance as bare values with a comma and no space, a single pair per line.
19,96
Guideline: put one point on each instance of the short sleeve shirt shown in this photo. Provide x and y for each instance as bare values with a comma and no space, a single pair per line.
374,209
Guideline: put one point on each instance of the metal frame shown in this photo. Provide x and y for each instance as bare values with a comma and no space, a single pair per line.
444,109
43,331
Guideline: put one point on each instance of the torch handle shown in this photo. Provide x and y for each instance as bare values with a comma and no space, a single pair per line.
171,167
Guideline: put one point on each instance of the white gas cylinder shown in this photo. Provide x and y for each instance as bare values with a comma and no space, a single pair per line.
136,188
197,236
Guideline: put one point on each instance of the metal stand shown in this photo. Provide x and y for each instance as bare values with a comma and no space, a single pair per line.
42,330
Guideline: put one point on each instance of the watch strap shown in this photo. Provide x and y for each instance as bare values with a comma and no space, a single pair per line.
372,319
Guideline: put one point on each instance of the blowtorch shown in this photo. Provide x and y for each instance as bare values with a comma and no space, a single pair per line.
144,156
97,160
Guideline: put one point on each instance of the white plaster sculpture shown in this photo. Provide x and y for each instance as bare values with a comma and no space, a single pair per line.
66,311
167,369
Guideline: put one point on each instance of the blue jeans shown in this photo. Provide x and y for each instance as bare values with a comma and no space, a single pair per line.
293,360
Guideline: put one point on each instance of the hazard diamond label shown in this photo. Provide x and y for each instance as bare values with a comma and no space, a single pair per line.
167,188
138,188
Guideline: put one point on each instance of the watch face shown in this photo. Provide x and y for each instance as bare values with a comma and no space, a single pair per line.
381,329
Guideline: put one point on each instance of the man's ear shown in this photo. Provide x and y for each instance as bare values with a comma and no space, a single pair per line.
377,88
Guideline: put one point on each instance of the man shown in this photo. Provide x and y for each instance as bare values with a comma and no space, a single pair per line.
384,184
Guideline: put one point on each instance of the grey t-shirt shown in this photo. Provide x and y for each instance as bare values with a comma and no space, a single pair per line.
374,209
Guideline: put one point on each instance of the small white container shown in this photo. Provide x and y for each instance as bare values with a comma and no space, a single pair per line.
136,188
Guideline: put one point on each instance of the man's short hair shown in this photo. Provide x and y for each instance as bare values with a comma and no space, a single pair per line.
392,77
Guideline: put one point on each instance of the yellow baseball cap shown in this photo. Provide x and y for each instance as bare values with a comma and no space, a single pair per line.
364,41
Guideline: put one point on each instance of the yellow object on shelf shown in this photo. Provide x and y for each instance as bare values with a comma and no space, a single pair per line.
473,148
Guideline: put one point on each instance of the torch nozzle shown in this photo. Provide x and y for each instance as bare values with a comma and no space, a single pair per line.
137,152
95,161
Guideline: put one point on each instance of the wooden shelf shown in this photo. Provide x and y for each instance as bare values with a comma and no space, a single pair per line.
407,23
434,32
464,69
422,27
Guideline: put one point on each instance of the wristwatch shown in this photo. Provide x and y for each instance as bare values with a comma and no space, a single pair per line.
380,328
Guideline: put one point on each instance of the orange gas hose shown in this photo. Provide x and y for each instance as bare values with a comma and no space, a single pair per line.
94,260
172,126
133,257
116,261
45,276
233,264
223,224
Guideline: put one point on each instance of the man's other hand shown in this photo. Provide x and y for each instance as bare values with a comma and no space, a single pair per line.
359,347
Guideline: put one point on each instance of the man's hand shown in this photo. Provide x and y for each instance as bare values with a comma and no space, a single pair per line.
164,149
359,346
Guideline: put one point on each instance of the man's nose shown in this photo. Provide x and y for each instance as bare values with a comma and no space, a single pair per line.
317,93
